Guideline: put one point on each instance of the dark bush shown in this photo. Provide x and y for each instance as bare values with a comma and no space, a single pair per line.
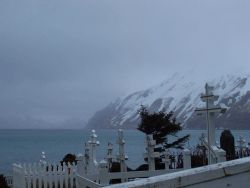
3,182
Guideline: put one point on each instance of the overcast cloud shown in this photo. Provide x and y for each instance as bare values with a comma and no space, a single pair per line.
65,59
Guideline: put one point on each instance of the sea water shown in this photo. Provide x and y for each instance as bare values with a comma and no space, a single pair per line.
25,146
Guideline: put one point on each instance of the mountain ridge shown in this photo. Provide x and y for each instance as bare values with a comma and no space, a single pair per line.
181,94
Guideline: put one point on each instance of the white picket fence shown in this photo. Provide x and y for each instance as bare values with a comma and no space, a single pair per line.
38,175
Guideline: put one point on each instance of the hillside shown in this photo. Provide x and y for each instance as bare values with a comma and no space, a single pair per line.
181,94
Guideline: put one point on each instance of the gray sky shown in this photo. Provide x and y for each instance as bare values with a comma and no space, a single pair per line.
65,59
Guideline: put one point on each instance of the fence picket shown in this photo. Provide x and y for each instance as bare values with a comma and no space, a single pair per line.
50,175
66,175
40,175
70,170
28,175
61,177
55,180
33,175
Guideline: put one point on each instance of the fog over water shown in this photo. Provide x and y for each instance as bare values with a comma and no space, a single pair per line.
61,60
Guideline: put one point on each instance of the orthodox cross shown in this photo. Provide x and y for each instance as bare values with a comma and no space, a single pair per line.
209,110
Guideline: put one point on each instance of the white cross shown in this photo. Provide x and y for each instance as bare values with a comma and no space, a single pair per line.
210,109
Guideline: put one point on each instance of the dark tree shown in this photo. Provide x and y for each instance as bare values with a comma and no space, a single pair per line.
227,143
69,158
161,125
3,182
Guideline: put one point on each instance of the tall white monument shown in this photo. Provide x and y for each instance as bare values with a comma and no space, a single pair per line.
209,110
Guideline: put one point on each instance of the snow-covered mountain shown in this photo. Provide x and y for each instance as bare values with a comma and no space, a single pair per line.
181,94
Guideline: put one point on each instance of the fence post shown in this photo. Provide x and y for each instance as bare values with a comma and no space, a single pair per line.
220,154
186,159
103,175
61,175
29,172
80,165
34,175
55,179
66,175
74,174
18,176
40,175
50,173
70,170
45,178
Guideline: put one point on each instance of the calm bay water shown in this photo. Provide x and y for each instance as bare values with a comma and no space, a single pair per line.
27,145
